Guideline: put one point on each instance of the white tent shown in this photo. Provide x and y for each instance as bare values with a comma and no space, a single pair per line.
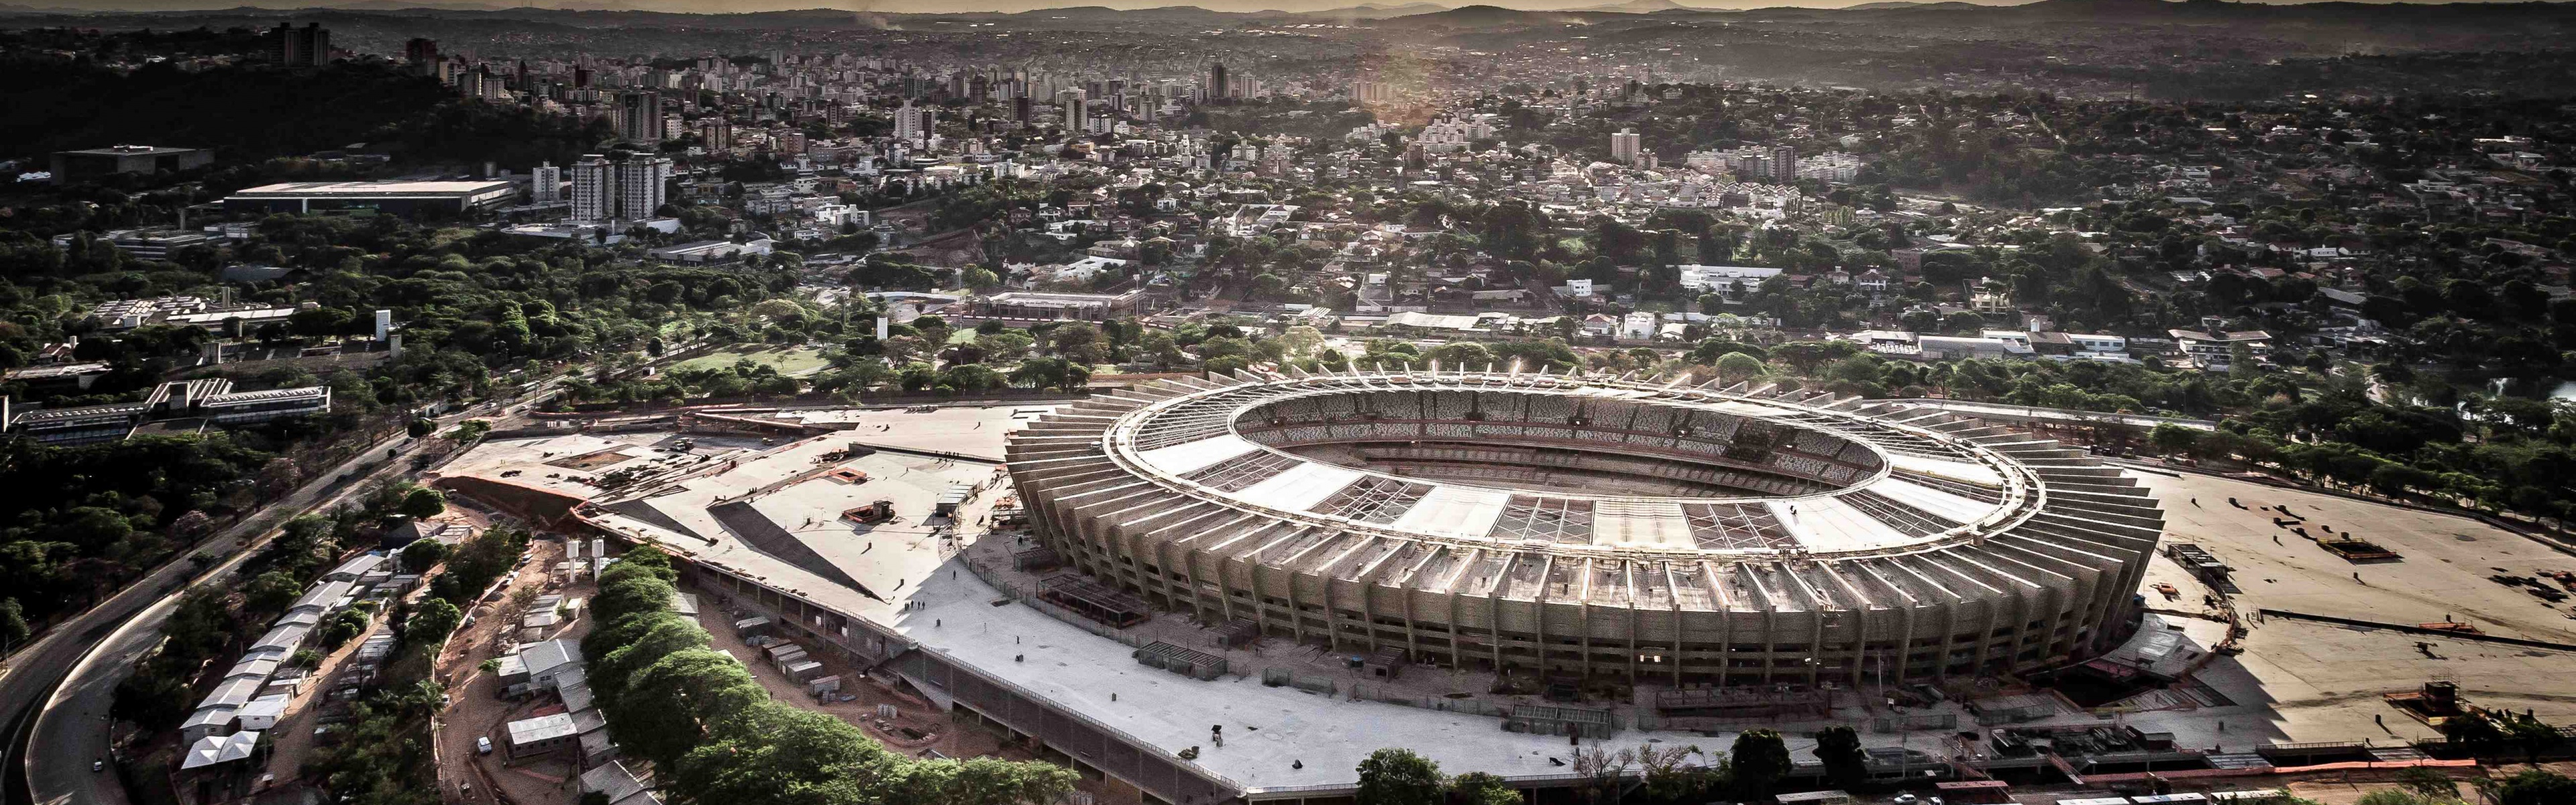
216,749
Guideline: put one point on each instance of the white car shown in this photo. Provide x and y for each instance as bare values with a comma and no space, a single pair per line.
483,745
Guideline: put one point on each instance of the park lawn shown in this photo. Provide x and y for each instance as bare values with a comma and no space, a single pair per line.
792,361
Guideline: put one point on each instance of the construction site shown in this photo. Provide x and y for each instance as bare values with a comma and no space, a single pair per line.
1495,571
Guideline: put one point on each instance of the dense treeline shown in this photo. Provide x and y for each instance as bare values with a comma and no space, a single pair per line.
86,519
246,113
715,735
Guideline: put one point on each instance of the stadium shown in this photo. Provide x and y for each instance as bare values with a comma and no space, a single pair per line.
1578,527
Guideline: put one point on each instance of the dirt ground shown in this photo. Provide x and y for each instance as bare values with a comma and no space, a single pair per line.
473,711
911,712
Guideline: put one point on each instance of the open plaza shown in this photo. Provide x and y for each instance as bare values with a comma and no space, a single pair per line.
893,548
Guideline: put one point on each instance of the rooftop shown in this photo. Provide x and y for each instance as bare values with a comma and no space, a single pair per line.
542,728
377,189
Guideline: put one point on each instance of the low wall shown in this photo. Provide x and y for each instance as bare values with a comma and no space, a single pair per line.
538,506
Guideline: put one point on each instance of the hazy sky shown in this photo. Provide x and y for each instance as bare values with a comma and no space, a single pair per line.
914,6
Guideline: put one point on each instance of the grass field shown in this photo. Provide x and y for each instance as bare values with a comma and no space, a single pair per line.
796,361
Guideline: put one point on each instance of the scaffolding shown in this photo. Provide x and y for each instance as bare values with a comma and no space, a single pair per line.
1544,719
1092,600
1238,633
1036,558
1741,701
1181,660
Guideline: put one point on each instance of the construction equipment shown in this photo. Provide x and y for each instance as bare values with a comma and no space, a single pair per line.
872,513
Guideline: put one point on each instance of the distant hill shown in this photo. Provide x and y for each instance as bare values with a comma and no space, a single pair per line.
1379,11
1476,17
1639,7
407,5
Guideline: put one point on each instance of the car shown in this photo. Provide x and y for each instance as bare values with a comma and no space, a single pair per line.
483,745
97,765
1904,799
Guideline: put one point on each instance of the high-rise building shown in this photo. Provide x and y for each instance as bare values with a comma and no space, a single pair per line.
309,46
1077,113
716,134
622,186
639,116
420,52
547,188
1625,146
912,123
1217,88
1784,164
1020,108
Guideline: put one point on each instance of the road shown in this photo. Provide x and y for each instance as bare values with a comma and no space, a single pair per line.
71,730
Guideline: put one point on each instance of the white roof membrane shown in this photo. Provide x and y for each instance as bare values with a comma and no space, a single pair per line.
1189,457
1300,487
1455,512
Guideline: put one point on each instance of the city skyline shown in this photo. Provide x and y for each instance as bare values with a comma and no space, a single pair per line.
930,8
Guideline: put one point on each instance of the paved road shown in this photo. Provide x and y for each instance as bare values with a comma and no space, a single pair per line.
71,730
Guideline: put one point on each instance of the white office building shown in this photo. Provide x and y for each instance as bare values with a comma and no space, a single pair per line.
547,187
1077,113
911,123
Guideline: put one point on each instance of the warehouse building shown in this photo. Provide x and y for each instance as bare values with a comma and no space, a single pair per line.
401,198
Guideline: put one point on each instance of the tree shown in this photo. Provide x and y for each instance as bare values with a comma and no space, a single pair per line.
770,752
1054,373
624,595
1669,776
421,555
13,624
1737,367
421,426
272,591
639,642
430,624
278,477
1603,771
1302,340
423,503
2172,438
191,526
968,378
1481,788
2428,784
342,627
1399,777
1759,759
986,781
1839,748
151,699
2531,787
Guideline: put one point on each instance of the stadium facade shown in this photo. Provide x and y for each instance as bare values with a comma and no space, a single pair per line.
1583,527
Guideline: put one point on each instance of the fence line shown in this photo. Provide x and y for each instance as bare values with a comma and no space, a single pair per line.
1030,598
